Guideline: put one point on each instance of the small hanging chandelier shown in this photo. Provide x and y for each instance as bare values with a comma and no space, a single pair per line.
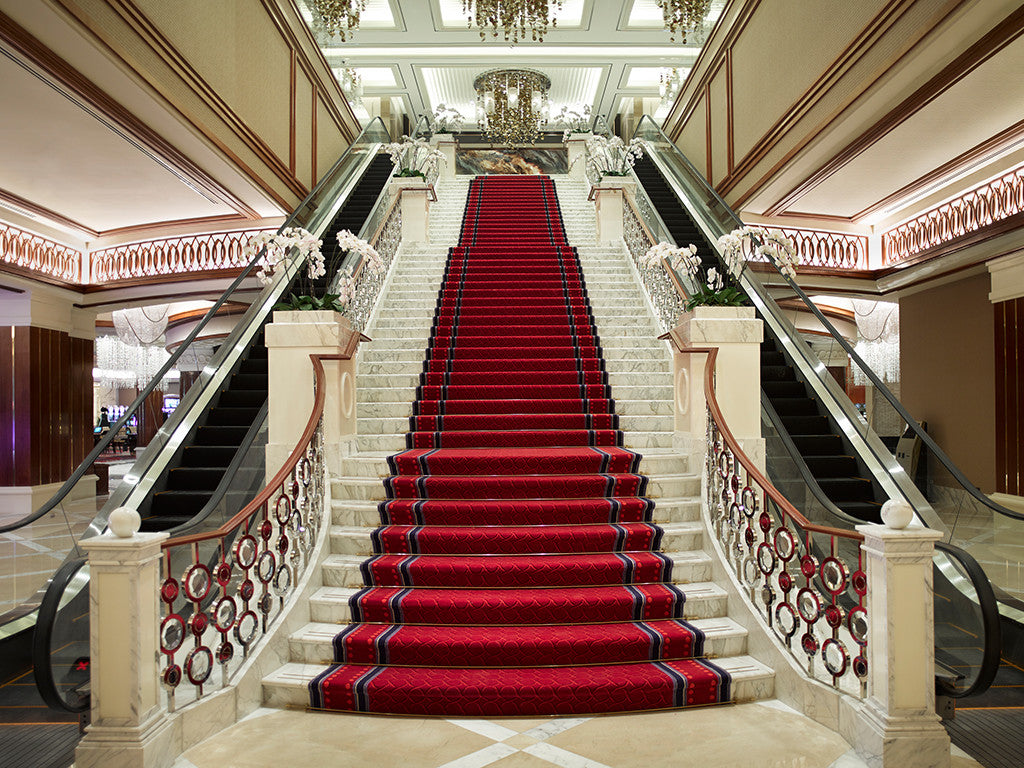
513,17
682,16
337,17
512,104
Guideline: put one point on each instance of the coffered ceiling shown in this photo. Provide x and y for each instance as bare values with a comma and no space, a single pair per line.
601,53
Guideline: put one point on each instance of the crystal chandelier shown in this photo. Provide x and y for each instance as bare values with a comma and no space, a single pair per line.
514,17
337,17
351,84
512,104
682,16
669,83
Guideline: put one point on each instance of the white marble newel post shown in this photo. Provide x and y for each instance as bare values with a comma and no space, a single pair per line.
608,196
130,727
899,726
737,334
415,198
290,340
576,145
446,143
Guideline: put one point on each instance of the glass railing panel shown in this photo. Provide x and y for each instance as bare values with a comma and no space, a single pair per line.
39,543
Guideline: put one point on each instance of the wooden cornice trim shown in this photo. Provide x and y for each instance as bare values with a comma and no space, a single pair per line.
46,213
144,229
1000,36
169,279
836,313
39,277
34,51
104,39
975,155
854,51
226,310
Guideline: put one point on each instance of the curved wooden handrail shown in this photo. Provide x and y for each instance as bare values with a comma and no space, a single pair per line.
752,471
287,468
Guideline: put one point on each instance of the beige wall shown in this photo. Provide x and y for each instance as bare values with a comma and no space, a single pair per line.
947,361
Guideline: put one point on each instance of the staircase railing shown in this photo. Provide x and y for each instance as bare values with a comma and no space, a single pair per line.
667,290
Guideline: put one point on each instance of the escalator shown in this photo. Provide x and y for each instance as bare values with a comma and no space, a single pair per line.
207,460
192,481
830,457
821,454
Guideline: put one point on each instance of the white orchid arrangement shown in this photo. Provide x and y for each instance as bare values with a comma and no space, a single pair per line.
612,156
281,247
447,120
762,244
414,157
711,291
345,290
574,121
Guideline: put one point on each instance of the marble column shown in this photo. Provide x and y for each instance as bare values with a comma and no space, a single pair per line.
130,726
445,142
290,340
576,145
898,725
416,196
609,198
737,335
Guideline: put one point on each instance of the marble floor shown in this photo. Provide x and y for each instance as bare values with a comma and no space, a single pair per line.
758,735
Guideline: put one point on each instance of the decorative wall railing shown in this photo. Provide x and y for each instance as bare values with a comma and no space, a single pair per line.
980,207
830,250
171,255
38,254
808,581
385,234
228,585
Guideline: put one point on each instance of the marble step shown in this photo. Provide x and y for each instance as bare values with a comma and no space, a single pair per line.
313,643
372,489
288,685
343,570
637,440
618,381
353,540
377,354
422,324
397,393
363,513
369,409
611,346
399,425
384,365
375,465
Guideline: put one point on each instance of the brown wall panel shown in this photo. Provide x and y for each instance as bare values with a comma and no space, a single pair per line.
948,365
6,405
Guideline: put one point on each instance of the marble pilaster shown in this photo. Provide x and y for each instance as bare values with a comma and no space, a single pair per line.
445,142
577,148
290,340
130,727
898,725
609,198
415,198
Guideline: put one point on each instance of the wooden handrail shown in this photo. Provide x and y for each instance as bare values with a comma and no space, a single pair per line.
733,444
289,465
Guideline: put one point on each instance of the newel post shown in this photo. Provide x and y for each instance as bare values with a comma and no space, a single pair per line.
576,146
415,196
737,335
130,726
899,726
609,196
445,142
290,340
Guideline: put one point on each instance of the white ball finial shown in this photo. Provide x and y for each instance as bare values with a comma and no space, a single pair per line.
897,514
124,522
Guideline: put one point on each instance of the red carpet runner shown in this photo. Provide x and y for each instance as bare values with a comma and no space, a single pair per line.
517,571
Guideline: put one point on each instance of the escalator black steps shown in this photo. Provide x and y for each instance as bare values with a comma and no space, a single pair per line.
220,436
832,466
841,489
231,417
242,398
777,373
249,381
194,478
868,511
818,445
772,357
208,455
807,425
253,365
795,406
780,389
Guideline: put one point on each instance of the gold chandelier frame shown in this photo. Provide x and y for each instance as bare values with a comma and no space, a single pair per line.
512,104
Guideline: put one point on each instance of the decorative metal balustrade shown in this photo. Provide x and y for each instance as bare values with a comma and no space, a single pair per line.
807,581
980,207
666,298
171,255
385,226
229,585
830,250
38,254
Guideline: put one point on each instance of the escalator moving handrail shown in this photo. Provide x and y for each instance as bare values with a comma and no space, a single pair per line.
42,668
926,439
990,619
105,442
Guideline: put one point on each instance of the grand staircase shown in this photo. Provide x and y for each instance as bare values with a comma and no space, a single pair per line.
576,651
